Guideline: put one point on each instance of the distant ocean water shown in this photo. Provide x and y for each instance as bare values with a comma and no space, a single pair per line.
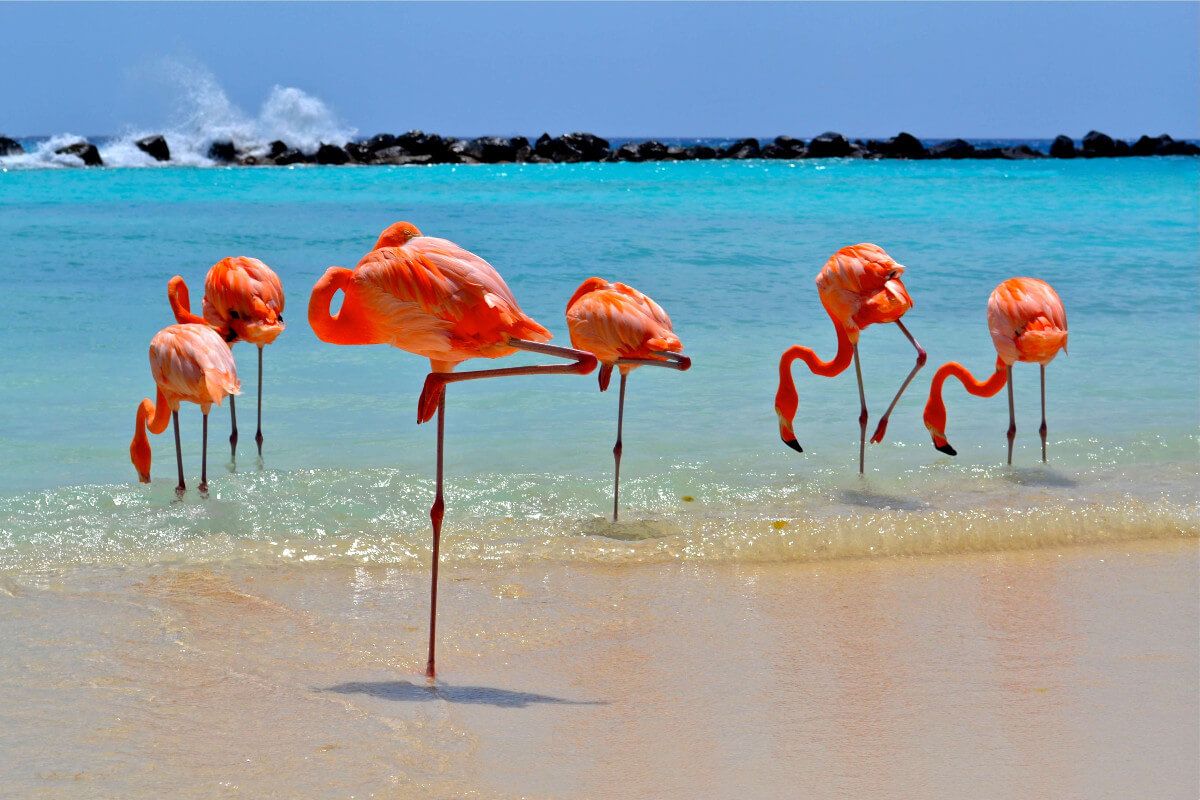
730,249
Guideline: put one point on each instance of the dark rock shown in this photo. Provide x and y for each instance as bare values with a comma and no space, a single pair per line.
1163,145
276,148
379,142
643,151
571,148
155,147
419,143
742,148
784,147
86,151
399,155
1122,148
358,152
252,161
1020,153
331,154
222,152
829,145
1062,147
987,153
952,148
289,156
10,147
676,154
1098,145
700,152
498,150
902,145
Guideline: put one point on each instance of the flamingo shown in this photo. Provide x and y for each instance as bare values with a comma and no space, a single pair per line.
243,302
188,362
859,286
623,328
1028,323
432,298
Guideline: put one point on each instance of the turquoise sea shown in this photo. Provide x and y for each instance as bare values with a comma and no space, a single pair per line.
729,248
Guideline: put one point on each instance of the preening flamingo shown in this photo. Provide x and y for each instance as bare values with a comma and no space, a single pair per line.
188,362
243,302
434,299
859,286
1028,323
625,329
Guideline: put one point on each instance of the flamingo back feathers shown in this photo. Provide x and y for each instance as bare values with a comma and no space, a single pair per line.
1027,321
243,299
192,363
614,320
860,285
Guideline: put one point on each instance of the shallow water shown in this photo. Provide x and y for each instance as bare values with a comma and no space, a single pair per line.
729,248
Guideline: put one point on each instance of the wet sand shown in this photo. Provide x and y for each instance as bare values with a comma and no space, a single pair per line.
1066,673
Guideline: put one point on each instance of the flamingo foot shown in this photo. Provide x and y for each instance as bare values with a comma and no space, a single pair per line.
880,430
431,395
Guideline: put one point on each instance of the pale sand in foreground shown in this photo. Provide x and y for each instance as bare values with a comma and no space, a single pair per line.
1068,673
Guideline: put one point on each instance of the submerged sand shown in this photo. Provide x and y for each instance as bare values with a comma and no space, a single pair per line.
1063,673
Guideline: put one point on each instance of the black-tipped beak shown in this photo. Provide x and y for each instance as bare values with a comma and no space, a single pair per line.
795,445
947,449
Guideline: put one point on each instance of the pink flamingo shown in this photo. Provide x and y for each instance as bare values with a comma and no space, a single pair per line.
188,362
434,299
1028,323
626,329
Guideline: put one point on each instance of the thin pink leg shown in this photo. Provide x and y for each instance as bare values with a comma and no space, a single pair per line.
881,428
617,447
435,515
862,416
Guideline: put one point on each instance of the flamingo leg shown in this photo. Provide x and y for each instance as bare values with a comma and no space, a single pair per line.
676,361
435,382
617,446
1012,416
436,512
258,437
881,428
181,488
204,458
233,437
862,417
1042,430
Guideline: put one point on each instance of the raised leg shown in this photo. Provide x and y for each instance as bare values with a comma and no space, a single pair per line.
436,512
204,459
1042,430
881,428
233,437
1012,416
181,488
435,382
862,417
258,435
617,447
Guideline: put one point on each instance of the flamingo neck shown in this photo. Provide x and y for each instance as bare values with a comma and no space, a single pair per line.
181,303
153,417
935,407
350,325
787,401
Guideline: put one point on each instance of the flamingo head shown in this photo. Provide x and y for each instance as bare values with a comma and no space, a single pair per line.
397,234
140,455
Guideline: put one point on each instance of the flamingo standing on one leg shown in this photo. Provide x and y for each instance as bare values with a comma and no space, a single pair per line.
1028,323
434,299
188,362
243,301
859,286
626,329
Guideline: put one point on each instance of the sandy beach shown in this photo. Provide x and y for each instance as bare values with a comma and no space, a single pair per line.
1061,672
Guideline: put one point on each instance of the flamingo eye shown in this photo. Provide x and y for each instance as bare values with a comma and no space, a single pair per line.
234,315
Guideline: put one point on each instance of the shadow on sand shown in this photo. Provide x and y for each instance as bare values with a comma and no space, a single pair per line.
1039,476
868,499
404,691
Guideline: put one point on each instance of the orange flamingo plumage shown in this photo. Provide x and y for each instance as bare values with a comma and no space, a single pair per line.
625,329
1028,323
859,286
189,363
434,299
243,302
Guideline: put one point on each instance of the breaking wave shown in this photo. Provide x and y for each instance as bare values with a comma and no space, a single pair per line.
203,114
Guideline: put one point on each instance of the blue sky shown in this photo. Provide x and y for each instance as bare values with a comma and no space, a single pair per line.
667,69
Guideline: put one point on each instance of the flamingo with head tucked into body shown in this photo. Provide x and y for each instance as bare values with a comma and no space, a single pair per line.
625,330
434,299
859,286
243,302
189,363
1028,323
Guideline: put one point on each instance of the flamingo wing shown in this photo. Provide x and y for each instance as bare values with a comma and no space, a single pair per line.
244,297
1027,320
192,362
618,321
435,298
